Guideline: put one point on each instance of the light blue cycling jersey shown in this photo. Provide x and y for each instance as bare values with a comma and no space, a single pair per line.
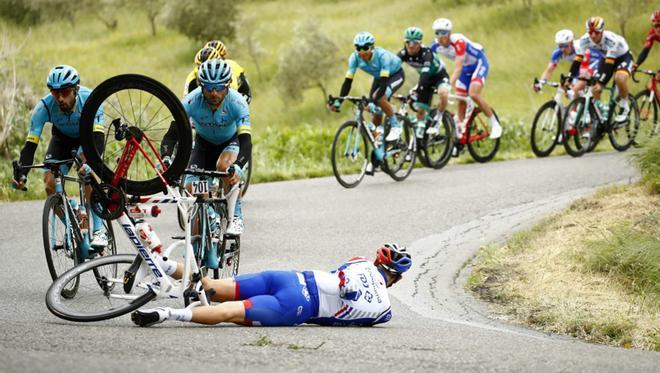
230,119
383,63
48,111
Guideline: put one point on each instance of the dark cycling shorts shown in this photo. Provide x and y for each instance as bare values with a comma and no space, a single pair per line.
205,154
60,148
621,63
277,298
425,95
394,82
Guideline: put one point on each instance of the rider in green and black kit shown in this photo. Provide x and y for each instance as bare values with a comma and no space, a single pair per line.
432,76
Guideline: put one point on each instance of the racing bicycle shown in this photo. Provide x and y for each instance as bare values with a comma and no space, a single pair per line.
66,221
359,143
648,103
546,129
476,132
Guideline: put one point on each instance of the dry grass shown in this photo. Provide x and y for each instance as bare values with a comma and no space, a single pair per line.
553,278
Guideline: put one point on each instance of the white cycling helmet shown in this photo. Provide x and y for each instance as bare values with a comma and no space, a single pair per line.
563,36
442,24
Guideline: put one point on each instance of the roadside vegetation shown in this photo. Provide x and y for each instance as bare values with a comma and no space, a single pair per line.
591,271
292,130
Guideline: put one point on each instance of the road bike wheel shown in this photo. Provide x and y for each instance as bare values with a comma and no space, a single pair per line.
93,303
349,155
648,118
546,129
400,155
146,107
481,147
248,176
436,148
230,254
61,253
622,134
575,131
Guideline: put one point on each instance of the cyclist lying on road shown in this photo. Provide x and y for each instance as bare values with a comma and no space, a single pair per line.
62,108
353,294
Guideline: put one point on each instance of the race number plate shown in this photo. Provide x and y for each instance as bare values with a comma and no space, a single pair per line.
200,187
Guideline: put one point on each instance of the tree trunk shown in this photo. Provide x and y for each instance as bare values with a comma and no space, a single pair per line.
152,21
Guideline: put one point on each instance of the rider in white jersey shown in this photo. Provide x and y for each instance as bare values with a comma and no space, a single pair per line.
353,294
617,58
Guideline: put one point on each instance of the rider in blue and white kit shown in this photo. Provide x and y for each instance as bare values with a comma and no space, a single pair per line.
221,118
353,294
62,108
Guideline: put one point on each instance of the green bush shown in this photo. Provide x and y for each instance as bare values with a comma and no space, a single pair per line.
648,161
203,20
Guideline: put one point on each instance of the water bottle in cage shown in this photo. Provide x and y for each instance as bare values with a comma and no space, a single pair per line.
148,236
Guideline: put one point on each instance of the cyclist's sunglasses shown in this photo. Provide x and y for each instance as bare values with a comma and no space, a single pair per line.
562,46
214,87
412,42
442,32
62,92
594,32
363,48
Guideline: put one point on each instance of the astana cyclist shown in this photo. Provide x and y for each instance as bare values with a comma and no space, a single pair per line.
616,58
223,140
385,68
433,76
470,70
353,294
62,108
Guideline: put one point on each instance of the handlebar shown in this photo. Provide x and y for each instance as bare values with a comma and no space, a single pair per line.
645,72
206,173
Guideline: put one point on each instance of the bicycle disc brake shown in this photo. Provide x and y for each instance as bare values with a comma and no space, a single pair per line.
108,201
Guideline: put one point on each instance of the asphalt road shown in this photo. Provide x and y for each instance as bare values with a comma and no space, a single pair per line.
442,216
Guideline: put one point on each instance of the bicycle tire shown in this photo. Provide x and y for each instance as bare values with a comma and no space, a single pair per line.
539,150
572,133
70,255
58,306
400,155
141,83
648,109
444,137
477,126
362,151
628,128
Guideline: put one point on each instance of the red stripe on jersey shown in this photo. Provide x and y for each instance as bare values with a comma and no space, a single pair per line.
341,310
460,47
247,304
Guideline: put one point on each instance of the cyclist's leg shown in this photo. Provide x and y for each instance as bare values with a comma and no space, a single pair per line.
476,85
59,148
227,158
462,85
443,88
394,82
424,98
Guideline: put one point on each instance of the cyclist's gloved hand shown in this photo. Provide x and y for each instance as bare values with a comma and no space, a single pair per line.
537,86
334,105
413,93
237,170
372,107
19,178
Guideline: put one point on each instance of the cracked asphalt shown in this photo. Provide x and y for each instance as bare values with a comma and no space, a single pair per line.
442,216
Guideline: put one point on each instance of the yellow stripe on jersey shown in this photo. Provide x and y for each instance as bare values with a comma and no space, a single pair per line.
98,128
384,73
350,75
33,139
243,130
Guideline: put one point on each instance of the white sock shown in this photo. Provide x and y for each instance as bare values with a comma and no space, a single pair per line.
179,314
168,265
623,103
493,121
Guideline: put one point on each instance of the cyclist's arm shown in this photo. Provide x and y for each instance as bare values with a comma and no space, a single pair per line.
168,143
244,132
642,56
547,73
425,72
244,87
608,70
39,118
575,66
648,43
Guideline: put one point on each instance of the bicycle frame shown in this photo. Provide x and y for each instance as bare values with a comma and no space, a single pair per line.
470,113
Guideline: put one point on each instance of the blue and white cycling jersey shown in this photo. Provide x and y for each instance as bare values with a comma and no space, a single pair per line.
48,111
354,294
230,119
460,48
590,61
383,63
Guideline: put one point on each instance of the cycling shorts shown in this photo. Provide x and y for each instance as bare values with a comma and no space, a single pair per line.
278,298
394,82
205,154
621,63
476,72
441,79
60,148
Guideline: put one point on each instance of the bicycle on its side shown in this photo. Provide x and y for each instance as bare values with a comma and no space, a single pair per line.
434,140
66,223
585,124
546,129
351,153
648,103
476,133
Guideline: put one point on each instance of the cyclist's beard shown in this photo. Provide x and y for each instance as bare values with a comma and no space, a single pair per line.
65,107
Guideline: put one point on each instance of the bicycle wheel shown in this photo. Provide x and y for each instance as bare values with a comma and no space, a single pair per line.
576,132
546,129
349,155
400,155
248,176
93,303
144,108
481,147
436,147
61,248
230,254
648,117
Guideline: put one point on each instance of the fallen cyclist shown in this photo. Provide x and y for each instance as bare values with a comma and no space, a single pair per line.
355,294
